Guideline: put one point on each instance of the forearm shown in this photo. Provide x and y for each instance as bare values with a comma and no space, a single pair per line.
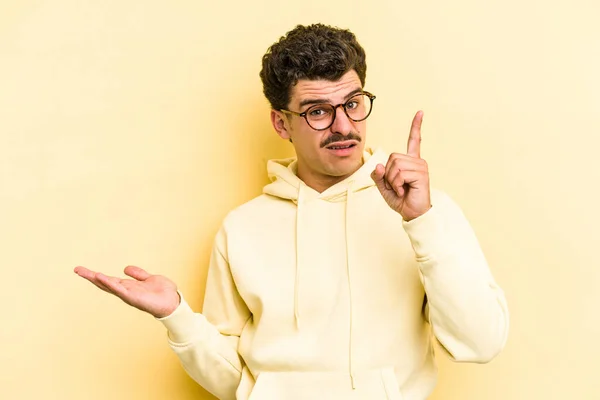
209,357
468,313
466,308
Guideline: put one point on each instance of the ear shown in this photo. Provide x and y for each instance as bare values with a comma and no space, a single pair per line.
281,124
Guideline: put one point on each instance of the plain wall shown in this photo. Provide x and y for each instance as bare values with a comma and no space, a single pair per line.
128,129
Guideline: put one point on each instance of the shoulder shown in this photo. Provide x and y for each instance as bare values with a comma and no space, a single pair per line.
255,211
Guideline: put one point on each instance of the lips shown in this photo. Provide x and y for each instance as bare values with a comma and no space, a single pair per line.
342,145
342,149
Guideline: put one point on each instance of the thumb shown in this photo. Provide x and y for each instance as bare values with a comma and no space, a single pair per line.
378,175
137,273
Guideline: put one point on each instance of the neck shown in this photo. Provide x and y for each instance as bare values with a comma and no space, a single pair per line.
317,181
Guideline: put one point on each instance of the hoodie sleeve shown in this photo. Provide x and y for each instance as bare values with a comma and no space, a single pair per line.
207,343
465,306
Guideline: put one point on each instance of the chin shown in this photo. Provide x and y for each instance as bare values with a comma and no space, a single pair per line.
345,167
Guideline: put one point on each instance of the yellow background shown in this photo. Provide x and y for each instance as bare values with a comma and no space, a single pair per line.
128,129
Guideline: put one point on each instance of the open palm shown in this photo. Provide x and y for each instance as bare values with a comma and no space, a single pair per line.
154,294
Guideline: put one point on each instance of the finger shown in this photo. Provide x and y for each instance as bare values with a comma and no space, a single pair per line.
399,161
100,285
378,173
404,180
396,180
84,272
113,284
414,138
405,163
386,183
378,176
388,167
137,273
91,277
390,163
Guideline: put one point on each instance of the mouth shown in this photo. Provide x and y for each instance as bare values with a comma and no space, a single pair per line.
342,145
342,149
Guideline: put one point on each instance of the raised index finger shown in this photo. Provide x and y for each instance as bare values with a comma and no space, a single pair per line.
414,139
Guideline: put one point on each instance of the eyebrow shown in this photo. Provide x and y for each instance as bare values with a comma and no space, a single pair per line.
322,101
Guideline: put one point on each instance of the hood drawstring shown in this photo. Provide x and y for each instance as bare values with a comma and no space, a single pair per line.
298,255
347,214
348,257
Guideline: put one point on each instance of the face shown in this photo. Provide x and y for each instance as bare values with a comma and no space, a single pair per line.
328,156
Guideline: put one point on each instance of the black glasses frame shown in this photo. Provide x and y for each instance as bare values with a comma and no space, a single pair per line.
343,105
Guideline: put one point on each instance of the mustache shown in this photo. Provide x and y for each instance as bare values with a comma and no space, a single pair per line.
338,137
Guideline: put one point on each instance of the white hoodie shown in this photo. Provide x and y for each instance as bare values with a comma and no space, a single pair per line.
333,295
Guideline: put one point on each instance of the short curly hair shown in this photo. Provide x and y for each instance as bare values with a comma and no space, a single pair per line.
309,52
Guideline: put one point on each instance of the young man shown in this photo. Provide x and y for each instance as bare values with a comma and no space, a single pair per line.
331,283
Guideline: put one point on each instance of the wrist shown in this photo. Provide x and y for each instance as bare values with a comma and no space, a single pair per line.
407,217
169,309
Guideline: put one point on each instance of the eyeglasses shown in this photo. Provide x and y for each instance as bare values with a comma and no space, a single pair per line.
321,116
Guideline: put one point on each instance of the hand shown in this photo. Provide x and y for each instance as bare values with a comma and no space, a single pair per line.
404,181
153,294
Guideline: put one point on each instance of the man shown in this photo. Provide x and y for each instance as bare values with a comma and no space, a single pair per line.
330,283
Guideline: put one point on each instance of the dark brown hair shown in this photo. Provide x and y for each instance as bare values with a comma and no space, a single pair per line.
309,52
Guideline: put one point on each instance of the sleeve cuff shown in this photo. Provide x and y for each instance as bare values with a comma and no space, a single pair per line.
182,323
426,232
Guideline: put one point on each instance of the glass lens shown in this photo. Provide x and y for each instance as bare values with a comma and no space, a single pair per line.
358,107
320,116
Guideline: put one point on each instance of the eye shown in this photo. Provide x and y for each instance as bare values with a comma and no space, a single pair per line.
352,104
319,111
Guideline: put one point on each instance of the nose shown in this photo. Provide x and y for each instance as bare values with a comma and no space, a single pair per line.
342,124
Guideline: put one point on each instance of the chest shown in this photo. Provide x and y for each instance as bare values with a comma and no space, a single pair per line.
317,257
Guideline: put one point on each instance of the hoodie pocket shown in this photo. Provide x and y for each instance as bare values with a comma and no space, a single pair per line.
390,383
378,384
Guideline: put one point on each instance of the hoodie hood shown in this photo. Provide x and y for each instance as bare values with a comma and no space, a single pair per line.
285,183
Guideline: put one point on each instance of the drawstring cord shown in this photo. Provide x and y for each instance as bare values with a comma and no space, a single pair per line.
298,263
349,195
298,251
